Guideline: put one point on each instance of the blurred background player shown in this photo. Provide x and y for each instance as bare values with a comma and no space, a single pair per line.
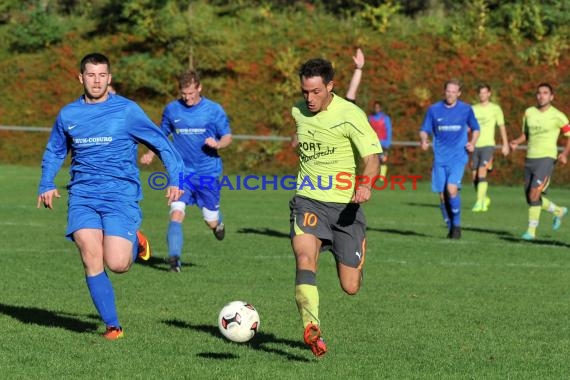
102,132
199,129
382,125
542,124
328,218
490,116
449,121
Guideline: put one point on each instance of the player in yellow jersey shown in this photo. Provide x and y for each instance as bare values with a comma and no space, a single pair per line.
542,124
336,143
490,116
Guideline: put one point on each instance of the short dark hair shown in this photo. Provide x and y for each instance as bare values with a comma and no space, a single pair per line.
187,78
547,85
94,59
317,67
452,81
482,86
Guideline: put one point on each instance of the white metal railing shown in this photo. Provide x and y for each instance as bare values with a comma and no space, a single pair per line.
236,137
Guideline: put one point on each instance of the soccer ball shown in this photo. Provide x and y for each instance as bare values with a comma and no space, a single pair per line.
238,321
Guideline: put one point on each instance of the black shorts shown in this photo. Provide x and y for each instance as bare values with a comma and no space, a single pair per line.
537,172
340,227
482,157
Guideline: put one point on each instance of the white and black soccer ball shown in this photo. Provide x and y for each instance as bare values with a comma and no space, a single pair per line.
238,321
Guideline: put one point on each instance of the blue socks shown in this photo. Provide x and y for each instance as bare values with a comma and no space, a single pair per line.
445,214
451,211
174,239
103,297
455,208
135,249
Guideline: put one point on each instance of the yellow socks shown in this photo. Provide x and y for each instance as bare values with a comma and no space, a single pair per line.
548,205
482,191
533,218
307,297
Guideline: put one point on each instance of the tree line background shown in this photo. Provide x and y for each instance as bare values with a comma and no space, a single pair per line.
249,51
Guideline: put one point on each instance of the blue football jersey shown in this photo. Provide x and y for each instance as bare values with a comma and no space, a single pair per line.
449,127
103,139
190,126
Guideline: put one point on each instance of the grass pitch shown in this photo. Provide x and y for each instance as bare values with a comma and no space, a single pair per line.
487,306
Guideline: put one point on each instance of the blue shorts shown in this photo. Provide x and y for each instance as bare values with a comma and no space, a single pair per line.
441,176
114,218
204,192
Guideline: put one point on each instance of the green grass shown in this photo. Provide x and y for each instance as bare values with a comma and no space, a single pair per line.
486,307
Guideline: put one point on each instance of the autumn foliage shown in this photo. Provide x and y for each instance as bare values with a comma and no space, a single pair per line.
248,59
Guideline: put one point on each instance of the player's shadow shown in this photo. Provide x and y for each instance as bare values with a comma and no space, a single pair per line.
48,318
543,242
264,231
417,204
500,233
160,264
397,232
259,342
217,355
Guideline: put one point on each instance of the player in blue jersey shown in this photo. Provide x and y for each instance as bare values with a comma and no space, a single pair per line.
102,131
199,129
449,122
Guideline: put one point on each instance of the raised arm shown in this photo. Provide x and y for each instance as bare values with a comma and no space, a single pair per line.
358,59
